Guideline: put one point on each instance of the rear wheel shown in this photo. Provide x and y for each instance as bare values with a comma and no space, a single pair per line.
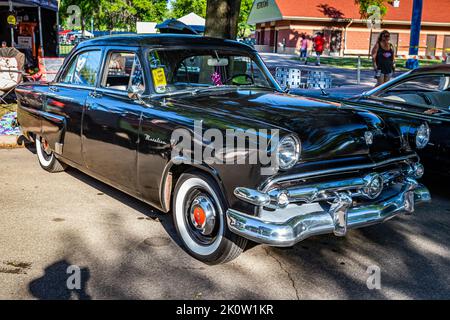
46,157
199,217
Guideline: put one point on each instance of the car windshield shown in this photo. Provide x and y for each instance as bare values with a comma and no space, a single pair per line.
180,70
427,90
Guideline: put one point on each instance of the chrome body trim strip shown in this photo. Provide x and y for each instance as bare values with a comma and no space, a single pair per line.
266,185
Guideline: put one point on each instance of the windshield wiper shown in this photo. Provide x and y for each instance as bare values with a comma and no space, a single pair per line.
259,86
215,88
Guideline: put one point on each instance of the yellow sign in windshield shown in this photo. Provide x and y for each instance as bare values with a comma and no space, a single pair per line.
159,80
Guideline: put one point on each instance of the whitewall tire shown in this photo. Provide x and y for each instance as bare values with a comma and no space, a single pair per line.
199,217
47,158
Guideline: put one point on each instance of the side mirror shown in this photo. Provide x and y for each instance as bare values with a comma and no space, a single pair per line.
134,93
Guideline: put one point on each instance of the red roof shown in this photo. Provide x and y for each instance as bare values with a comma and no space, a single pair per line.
433,10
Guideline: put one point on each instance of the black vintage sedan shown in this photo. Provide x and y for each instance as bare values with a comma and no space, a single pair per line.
198,127
419,96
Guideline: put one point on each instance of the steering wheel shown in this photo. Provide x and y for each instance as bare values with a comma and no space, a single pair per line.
247,77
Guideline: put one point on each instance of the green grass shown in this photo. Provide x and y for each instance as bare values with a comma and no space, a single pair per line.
366,63
5,108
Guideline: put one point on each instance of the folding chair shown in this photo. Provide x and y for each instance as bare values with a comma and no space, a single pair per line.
11,73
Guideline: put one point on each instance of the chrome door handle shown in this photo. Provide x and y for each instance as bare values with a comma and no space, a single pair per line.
53,89
94,94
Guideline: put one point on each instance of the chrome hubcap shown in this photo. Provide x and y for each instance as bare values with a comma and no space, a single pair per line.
203,214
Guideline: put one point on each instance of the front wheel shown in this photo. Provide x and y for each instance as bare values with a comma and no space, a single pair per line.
46,157
199,217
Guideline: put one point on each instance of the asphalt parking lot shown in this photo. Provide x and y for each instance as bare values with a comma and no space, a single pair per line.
127,250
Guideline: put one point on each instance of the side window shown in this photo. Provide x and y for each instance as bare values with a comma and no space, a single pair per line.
83,69
68,73
123,70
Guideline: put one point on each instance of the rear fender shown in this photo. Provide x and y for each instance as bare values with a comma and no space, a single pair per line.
52,130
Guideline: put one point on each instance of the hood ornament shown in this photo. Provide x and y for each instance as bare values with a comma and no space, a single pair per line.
368,136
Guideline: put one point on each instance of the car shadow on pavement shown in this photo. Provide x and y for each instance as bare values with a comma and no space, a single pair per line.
61,282
140,206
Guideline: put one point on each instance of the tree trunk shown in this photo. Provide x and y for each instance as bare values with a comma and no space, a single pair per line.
222,18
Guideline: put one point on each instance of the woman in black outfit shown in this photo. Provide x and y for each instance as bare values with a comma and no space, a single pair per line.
383,58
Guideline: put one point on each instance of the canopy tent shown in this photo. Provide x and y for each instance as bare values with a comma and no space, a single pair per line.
192,19
47,4
85,33
175,26
36,26
88,34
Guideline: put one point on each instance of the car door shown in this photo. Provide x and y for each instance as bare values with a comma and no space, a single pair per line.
111,120
66,98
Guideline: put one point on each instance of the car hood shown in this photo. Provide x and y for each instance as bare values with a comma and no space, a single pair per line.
327,130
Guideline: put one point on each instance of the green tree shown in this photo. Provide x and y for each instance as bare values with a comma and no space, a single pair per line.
365,4
183,7
146,10
87,7
244,29
116,14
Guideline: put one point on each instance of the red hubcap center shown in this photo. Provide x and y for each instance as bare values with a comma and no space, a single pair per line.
199,216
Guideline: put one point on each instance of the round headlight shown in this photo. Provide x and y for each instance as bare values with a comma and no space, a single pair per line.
288,151
422,136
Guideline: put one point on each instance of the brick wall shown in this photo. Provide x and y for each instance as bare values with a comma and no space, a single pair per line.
358,36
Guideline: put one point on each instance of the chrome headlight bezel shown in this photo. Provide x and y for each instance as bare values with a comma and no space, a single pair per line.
288,151
422,136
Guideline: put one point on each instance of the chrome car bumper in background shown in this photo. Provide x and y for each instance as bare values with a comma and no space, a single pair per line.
336,207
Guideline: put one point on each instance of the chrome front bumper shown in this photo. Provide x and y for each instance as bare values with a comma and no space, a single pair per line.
341,212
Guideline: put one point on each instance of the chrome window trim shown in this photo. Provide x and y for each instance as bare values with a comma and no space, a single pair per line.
251,53
270,182
112,91
69,62
73,86
107,56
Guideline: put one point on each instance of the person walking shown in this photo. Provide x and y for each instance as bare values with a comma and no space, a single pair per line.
304,48
383,58
319,42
